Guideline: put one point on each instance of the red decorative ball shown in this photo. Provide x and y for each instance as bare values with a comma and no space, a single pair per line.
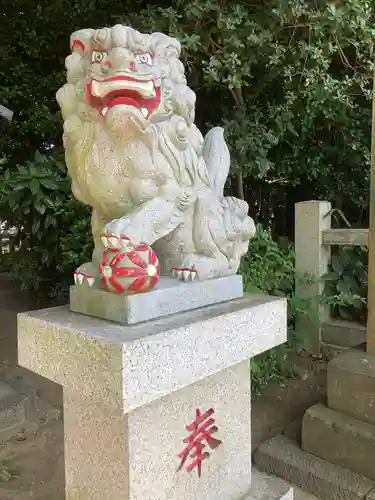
132,271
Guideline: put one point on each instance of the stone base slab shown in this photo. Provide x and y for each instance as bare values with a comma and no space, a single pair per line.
351,385
284,458
170,296
340,439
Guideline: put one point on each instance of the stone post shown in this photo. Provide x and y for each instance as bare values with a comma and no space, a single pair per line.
312,258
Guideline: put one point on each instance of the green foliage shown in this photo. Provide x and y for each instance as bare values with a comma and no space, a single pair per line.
347,281
54,230
269,268
291,82
7,473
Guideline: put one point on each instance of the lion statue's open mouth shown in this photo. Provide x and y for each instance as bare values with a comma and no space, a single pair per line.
135,155
124,91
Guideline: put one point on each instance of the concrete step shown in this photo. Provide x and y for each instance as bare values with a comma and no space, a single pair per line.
282,457
340,439
351,385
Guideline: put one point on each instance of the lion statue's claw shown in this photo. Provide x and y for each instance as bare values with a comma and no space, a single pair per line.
122,243
184,274
86,275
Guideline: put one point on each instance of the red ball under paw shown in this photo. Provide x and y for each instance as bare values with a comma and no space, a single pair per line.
130,272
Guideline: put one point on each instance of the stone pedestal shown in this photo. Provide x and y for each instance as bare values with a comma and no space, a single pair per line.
143,402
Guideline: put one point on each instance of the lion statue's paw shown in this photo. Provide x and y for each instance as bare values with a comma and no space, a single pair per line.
120,228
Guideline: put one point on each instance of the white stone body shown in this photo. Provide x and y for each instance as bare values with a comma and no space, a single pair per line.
135,156
130,392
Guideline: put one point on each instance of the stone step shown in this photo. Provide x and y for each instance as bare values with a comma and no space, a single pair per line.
343,333
340,439
282,457
351,385
264,487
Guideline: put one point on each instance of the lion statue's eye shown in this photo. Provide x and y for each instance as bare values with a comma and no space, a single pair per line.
144,58
98,57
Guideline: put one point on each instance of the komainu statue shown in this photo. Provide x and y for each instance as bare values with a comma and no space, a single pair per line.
135,156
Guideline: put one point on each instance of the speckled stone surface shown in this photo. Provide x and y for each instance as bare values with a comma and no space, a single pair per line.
157,431
151,359
129,392
170,296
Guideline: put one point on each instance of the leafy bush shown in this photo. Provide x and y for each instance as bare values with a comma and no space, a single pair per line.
347,282
269,268
53,228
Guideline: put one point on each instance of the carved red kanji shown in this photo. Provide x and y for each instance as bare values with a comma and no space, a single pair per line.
201,430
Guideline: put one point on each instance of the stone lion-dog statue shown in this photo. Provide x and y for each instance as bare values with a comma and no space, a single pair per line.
136,157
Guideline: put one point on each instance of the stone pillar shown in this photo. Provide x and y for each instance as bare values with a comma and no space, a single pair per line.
312,259
159,410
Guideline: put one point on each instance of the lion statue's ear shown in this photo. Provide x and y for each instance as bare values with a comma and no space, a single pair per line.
81,40
183,99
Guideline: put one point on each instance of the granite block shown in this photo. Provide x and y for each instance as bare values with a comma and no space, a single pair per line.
351,385
284,458
340,439
170,296
109,455
149,360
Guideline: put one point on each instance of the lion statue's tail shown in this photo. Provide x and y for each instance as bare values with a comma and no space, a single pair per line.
217,158
237,227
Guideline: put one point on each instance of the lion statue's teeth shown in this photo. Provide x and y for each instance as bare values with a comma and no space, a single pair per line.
146,170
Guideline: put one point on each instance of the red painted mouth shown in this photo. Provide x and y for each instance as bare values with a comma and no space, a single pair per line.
122,90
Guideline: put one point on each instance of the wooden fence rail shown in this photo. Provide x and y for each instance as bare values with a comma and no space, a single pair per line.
313,240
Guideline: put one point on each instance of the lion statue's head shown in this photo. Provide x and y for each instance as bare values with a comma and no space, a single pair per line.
120,70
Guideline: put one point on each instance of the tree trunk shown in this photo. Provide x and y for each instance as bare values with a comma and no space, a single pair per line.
240,186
